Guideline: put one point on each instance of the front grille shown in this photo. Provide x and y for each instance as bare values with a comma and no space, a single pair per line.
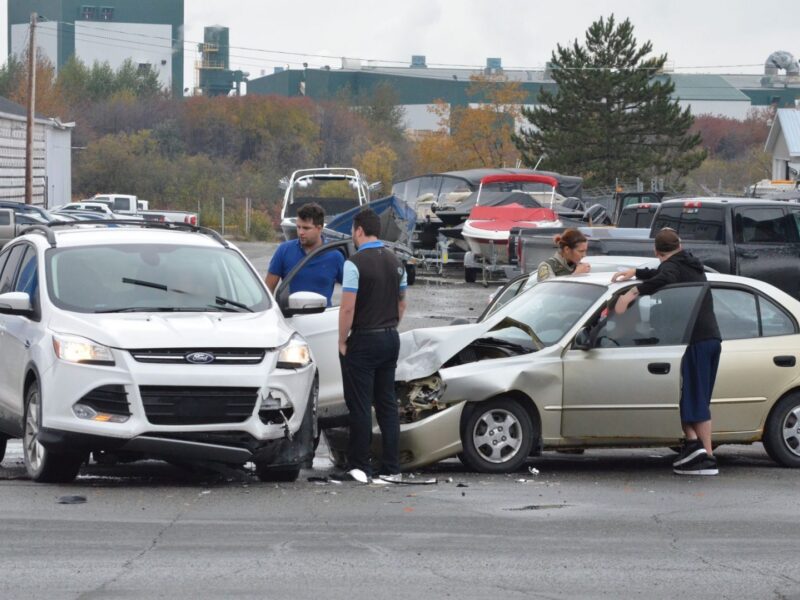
182,405
110,399
222,356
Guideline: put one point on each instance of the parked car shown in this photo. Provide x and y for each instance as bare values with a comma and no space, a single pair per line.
131,206
155,341
551,370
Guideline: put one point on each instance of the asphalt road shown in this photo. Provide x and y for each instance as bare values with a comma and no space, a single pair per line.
610,524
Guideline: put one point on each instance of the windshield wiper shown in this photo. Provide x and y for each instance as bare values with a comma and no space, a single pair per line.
506,344
223,301
150,284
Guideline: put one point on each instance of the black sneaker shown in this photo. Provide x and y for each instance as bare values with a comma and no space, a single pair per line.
351,475
702,464
689,451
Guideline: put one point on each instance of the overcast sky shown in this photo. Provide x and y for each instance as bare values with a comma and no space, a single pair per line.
720,36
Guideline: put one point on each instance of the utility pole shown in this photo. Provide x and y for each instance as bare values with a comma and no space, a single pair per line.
31,112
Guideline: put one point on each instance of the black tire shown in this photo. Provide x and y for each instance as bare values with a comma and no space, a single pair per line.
781,436
470,274
411,274
43,465
510,429
3,442
278,475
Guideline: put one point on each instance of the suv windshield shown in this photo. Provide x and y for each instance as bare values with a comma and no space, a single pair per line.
152,277
545,313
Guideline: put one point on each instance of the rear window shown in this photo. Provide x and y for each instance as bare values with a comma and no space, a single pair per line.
702,224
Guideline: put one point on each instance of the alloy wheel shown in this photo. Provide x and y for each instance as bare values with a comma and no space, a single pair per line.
497,435
791,431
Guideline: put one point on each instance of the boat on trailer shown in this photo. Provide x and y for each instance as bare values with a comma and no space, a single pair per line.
487,229
335,189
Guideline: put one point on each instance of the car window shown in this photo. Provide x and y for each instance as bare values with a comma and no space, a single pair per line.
504,296
761,225
661,319
736,312
5,218
28,278
109,278
3,258
693,221
10,268
774,320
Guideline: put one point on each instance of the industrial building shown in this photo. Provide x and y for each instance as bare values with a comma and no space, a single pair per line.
148,32
417,86
52,157
214,75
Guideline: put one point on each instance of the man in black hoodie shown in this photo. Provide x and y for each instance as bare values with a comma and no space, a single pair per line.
700,362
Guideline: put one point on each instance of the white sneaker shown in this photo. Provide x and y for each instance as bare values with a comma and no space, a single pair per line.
351,475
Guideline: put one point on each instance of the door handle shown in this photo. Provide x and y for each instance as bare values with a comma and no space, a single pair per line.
658,368
784,361
748,254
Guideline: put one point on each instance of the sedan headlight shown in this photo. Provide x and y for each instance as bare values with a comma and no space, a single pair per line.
74,349
294,355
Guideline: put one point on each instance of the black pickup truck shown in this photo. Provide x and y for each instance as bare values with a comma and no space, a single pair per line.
741,236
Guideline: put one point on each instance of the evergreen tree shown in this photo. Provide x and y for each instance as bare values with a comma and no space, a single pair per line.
612,115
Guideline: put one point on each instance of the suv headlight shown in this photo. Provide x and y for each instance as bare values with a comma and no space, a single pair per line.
294,355
74,349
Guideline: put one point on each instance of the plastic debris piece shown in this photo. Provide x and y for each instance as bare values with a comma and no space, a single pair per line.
449,480
533,470
522,481
72,499
462,485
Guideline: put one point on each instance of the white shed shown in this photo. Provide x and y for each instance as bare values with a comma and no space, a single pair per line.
783,142
52,157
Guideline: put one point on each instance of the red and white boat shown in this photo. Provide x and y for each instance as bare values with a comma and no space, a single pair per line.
487,229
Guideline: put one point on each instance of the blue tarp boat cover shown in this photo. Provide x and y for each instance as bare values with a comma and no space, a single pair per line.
397,219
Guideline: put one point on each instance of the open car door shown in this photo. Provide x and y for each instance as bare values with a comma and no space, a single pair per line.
321,331
626,384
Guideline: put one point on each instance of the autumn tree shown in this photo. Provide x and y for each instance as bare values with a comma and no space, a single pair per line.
613,115
479,135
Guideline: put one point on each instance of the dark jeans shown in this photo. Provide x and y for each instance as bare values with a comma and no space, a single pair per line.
368,380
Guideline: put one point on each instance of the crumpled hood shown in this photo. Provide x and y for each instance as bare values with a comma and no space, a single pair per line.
423,351
177,330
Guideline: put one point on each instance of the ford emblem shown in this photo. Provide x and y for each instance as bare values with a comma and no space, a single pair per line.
200,358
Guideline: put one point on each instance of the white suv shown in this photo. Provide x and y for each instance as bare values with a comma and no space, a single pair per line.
157,341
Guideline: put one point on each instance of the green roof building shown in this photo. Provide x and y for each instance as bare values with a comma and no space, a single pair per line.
149,32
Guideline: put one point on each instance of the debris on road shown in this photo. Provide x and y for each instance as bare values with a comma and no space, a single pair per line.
71,499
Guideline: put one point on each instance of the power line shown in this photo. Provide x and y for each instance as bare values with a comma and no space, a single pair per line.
390,61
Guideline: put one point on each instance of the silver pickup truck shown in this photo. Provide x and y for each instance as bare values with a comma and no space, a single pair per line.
9,228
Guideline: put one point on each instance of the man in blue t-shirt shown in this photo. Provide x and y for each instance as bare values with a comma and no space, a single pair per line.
318,275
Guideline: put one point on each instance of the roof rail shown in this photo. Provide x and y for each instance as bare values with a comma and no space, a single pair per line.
47,230
44,230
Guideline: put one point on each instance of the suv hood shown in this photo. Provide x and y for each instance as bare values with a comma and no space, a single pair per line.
177,330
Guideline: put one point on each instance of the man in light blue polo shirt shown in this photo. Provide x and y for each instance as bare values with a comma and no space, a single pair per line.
318,275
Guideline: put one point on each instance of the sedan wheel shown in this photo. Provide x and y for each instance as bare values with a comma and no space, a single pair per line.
497,437
44,465
3,442
782,432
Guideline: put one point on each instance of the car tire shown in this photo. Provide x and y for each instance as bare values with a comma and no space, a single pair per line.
43,465
3,442
781,436
411,274
497,436
470,274
278,475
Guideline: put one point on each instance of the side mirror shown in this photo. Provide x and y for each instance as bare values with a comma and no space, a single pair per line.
583,339
305,303
15,303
